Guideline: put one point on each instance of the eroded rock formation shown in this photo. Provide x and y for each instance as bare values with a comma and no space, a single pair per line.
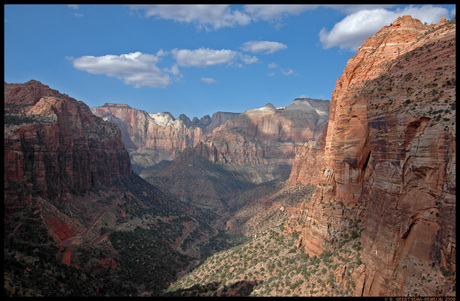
54,145
267,135
151,138
389,158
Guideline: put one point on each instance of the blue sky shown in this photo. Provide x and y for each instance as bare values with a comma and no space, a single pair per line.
196,59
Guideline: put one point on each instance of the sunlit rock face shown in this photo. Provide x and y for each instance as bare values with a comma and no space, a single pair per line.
389,153
151,138
268,135
54,145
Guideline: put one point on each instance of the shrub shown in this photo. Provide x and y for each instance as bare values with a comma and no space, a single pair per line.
354,234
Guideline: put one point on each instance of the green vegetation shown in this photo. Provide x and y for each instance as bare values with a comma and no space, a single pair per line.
33,268
276,265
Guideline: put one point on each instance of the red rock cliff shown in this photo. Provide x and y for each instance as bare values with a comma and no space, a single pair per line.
390,154
153,137
267,135
54,145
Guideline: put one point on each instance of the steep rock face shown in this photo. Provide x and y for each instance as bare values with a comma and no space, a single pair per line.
54,145
389,157
267,135
306,168
151,138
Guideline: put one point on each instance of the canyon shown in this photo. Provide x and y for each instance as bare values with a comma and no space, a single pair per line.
352,197
249,151
258,136
71,197
155,137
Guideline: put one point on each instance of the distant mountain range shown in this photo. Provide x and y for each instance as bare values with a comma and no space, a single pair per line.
155,137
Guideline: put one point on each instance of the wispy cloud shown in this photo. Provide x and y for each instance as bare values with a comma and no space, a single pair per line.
75,7
272,12
203,57
247,59
203,16
208,80
213,17
355,28
288,72
285,72
263,46
135,68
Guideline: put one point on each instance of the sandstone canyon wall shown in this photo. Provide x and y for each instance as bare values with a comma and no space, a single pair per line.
151,138
389,159
267,135
54,145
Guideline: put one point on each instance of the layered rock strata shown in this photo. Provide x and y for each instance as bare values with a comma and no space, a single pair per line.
267,135
389,158
151,138
54,145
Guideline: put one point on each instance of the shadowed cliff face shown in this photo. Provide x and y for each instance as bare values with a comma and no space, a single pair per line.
54,145
389,157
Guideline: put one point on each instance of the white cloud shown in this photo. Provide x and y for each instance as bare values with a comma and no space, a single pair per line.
247,59
208,80
271,12
352,8
219,16
263,46
287,72
75,7
161,52
203,57
134,68
425,13
174,70
354,29
141,69
203,16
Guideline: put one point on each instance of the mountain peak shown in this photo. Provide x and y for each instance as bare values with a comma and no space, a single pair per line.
309,105
269,106
408,21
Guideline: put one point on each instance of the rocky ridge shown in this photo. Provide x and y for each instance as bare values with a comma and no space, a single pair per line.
151,138
389,161
266,135
55,146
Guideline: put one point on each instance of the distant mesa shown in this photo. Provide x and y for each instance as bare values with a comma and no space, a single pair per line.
116,105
